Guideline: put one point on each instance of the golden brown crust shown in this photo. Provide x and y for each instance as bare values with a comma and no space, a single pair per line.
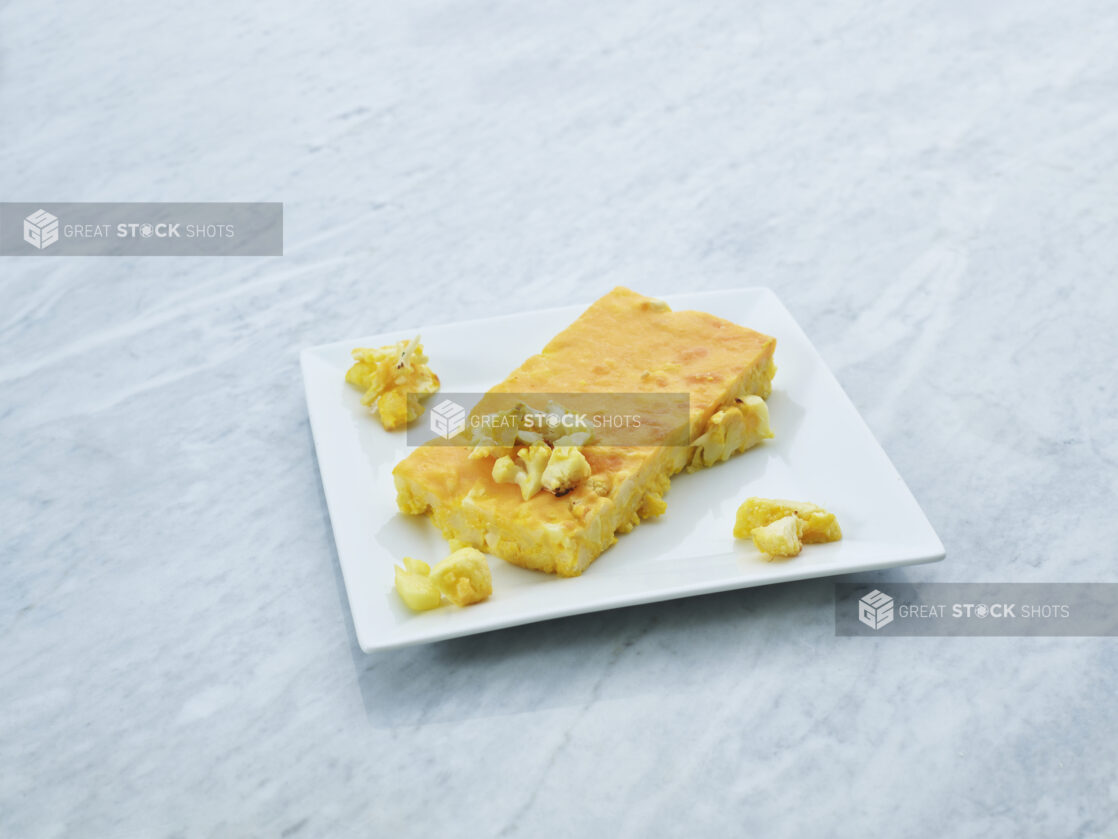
623,343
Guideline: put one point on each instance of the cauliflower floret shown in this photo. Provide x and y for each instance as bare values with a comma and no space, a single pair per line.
464,577
578,439
535,459
393,379
505,470
566,467
487,447
781,538
495,444
415,587
557,470
528,477
819,525
558,423
496,435
731,430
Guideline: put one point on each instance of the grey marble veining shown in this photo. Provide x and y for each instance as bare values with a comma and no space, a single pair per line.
930,187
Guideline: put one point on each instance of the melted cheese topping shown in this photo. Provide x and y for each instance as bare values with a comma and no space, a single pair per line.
609,349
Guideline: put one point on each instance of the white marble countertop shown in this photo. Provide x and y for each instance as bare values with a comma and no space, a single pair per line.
931,189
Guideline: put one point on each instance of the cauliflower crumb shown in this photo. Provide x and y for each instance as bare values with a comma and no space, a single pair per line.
505,471
629,523
599,484
781,538
653,503
464,577
393,379
415,587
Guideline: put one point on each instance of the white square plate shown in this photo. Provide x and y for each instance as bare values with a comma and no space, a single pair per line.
823,452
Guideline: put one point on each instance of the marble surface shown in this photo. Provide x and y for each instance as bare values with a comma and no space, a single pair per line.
930,187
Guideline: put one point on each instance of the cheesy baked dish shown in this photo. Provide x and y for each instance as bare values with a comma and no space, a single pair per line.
555,502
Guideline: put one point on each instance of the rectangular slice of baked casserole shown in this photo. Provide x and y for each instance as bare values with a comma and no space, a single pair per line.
624,343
